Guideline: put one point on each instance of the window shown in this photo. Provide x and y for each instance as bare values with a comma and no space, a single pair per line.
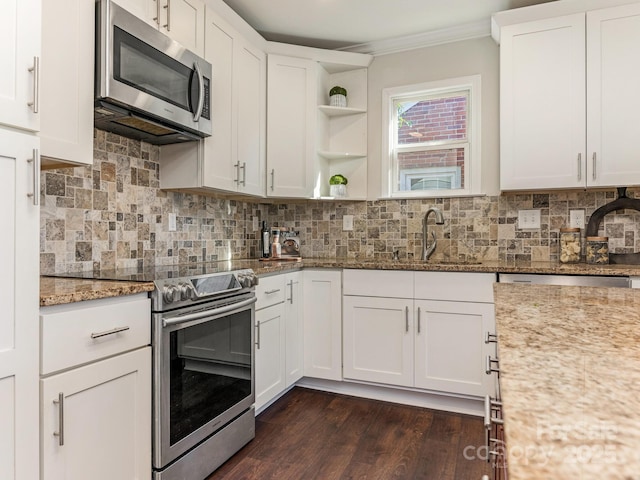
432,139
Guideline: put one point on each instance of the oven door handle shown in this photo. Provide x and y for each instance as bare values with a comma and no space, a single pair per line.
208,313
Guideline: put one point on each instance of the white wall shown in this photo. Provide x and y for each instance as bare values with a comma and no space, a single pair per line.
469,57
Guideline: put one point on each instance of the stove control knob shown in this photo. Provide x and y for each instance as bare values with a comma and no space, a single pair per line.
170,293
187,292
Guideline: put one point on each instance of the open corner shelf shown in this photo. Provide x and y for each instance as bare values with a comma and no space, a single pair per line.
340,155
340,111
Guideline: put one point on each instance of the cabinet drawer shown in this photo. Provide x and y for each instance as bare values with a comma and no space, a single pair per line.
80,333
270,291
378,283
455,286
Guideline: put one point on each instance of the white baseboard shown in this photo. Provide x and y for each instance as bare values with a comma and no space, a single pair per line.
436,401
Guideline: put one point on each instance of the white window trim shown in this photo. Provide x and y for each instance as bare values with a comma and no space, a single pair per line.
474,175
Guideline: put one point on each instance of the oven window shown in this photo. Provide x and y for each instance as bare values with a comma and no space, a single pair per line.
143,67
210,371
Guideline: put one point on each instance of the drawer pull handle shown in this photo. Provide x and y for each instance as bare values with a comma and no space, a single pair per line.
109,332
489,367
60,432
491,338
269,292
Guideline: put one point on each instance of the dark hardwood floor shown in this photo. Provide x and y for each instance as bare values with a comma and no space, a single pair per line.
309,434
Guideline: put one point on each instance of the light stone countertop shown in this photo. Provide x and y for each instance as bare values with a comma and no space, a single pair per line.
570,381
51,293
56,291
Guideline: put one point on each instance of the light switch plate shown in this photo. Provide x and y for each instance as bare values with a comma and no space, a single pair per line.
256,225
576,218
172,222
528,219
347,222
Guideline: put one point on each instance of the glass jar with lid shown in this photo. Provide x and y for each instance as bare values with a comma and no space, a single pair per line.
597,250
570,245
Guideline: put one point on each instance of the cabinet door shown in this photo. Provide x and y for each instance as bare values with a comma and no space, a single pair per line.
67,89
542,104
294,332
105,420
322,324
147,10
378,340
183,21
250,92
291,95
613,103
218,167
450,352
270,354
19,334
19,57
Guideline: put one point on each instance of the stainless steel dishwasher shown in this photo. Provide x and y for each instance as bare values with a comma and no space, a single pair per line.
571,280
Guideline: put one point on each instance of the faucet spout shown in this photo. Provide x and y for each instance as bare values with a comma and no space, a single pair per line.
427,250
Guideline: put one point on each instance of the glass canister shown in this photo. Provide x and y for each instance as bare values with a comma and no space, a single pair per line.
597,250
570,245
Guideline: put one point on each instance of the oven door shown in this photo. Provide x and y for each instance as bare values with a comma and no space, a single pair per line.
203,373
141,68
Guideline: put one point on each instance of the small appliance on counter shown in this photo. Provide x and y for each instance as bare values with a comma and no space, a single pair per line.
285,244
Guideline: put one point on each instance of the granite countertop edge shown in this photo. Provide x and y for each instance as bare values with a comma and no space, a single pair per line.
56,290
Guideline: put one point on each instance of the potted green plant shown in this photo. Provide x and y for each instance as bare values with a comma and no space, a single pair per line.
338,96
338,186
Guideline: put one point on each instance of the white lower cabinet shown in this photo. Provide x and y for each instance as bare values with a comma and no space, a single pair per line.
95,412
378,340
294,332
279,341
323,324
435,345
449,347
270,354
96,420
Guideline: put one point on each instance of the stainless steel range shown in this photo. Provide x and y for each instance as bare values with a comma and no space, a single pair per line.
203,371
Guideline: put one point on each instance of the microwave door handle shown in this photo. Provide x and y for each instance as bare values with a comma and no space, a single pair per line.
198,112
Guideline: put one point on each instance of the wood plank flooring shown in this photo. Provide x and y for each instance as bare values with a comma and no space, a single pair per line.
309,434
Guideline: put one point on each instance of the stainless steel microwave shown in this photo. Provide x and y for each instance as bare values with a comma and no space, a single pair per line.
148,86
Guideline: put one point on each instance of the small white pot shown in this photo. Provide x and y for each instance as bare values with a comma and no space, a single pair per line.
338,100
338,191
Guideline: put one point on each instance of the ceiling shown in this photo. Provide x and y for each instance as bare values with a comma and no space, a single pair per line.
337,24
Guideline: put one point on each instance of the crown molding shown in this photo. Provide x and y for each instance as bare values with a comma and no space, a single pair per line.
457,33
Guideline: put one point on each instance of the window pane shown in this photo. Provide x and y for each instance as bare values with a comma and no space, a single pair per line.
432,120
441,169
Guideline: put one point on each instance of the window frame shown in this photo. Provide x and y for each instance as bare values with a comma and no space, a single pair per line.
445,87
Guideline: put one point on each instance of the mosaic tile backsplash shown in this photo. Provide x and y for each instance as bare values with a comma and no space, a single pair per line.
114,215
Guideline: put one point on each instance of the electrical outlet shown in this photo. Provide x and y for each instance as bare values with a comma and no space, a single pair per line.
256,225
576,218
528,219
347,222
172,222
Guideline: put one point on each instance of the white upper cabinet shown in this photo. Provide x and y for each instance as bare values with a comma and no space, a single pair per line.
290,126
542,107
568,100
232,159
182,20
67,86
613,103
20,60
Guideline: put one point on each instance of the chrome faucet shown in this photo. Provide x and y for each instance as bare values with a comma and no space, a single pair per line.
427,250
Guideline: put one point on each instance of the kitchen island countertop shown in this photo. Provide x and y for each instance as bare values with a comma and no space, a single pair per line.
570,381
